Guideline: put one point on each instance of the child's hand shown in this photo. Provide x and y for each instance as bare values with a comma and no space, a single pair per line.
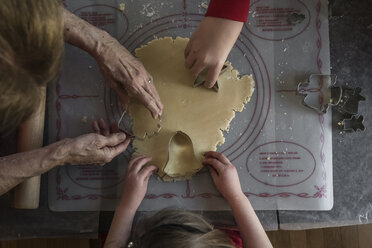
136,180
224,175
209,46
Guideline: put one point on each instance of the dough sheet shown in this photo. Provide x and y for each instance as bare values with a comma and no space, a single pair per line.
199,112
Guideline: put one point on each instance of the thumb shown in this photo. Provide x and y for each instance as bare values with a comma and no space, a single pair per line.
212,76
116,150
147,171
114,139
213,173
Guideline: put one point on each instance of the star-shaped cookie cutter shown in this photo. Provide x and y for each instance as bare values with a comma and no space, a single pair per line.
200,79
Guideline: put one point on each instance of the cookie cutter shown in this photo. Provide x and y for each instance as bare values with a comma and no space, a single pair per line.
320,92
125,123
295,18
200,79
182,142
349,101
352,124
319,87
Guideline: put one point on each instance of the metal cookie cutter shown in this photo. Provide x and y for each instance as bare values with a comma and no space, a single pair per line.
295,18
125,125
352,124
320,92
200,79
319,87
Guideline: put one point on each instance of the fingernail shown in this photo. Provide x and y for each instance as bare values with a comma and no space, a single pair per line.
122,136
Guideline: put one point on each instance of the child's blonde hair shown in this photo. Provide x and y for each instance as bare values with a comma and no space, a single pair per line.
177,228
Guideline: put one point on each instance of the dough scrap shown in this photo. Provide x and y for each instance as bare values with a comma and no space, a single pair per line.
200,113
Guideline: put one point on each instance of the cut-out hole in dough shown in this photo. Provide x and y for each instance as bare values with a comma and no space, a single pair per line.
180,149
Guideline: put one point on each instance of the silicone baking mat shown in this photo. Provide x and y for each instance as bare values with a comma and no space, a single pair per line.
282,150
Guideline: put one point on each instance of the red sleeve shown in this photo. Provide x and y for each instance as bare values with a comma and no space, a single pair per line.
234,237
236,10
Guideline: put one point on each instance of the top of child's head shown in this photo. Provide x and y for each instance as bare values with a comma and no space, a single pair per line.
179,229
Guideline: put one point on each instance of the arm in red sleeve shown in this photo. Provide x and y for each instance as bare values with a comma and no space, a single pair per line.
236,10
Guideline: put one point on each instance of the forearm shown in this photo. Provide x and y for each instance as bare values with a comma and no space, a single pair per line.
82,34
121,226
20,166
249,225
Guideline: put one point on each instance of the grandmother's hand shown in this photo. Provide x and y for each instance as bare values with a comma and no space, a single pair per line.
96,148
120,69
128,76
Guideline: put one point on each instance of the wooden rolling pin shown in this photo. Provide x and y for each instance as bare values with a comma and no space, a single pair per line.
30,136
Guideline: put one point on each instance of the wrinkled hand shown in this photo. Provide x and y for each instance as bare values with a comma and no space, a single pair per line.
128,76
224,175
135,182
100,127
210,45
96,148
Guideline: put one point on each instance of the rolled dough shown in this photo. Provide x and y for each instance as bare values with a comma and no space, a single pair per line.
200,113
